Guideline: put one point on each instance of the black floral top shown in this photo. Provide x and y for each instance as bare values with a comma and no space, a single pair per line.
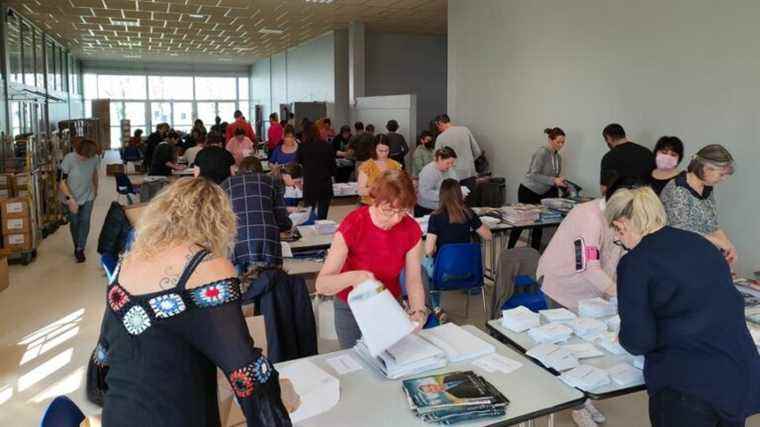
163,350
689,210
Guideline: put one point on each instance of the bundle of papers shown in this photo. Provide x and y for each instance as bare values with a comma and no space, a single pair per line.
520,319
293,193
454,397
586,328
583,350
609,341
559,204
326,226
550,215
379,316
318,390
596,307
411,356
553,357
557,315
585,377
521,214
345,189
624,374
550,333
613,323
458,344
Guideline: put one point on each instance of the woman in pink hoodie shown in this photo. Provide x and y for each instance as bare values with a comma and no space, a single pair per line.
240,146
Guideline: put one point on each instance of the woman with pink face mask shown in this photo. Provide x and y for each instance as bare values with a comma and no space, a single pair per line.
668,155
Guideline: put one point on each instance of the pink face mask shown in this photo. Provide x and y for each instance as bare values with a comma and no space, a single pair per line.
666,161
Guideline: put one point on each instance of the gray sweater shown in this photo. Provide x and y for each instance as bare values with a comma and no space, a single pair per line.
545,165
429,186
460,139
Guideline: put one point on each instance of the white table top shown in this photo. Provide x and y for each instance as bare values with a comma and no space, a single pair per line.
301,267
368,399
184,172
524,342
311,239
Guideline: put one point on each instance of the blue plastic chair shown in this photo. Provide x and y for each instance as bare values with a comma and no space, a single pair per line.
62,412
109,263
458,267
528,294
124,186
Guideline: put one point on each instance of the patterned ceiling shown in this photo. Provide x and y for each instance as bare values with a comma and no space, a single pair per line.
216,29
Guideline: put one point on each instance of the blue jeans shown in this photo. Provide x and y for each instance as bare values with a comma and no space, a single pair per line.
428,268
79,225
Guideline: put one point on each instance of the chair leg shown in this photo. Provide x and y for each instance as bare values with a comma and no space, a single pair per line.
483,295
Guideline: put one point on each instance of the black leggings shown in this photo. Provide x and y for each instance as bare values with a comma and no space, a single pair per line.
526,195
322,207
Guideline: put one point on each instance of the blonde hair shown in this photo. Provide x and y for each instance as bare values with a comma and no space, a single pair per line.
191,211
640,206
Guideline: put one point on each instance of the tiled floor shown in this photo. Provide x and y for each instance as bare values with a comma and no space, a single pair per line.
51,314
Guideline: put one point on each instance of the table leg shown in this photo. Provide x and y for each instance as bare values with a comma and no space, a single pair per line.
551,420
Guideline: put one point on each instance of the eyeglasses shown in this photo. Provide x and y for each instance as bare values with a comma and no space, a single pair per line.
390,212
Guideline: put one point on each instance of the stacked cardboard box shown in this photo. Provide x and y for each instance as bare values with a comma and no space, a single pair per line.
18,228
4,278
22,185
6,185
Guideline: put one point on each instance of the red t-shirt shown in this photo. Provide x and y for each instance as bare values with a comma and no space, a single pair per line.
383,252
274,135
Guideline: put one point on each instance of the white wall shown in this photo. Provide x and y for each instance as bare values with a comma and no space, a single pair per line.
679,67
408,64
380,109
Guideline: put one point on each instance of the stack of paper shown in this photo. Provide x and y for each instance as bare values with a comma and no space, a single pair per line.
521,214
411,356
326,226
550,333
550,215
345,189
596,307
293,193
458,344
613,323
520,319
379,316
586,377
553,357
624,374
586,328
609,341
557,315
583,351
318,390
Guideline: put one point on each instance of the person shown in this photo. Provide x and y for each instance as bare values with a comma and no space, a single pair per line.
423,153
318,161
217,126
668,155
241,123
370,129
261,216
329,130
240,146
340,142
155,138
543,180
370,170
580,263
452,222
376,242
625,158
136,140
287,152
79,185
363,148
289,177
165,156
343,155
399,147
192,152
679,308
430,179
275,133
200,127
689,200
460,139
196,137
213,161
173,288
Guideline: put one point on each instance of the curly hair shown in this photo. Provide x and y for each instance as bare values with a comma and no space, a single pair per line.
189,211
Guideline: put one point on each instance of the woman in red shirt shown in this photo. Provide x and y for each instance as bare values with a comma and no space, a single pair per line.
376,242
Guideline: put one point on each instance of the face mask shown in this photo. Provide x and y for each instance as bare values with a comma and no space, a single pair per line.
666,161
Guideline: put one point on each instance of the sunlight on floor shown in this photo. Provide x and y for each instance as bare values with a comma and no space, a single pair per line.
5,394
76,316
44,370
69,384
45,346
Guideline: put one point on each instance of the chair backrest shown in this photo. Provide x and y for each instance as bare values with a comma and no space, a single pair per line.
458,266
512,263
123,184
62,412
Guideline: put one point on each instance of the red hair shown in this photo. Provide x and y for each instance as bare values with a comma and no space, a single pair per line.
396,188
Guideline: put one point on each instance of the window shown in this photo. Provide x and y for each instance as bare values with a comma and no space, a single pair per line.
28,53
163,87
117,112
183,114
135,112
121,87
245,108
90,86
14,49
59,73
243,88
215,88
50,56
160,112
207,112
39,59
226,110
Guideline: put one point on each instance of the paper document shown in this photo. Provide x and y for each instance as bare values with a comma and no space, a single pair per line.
557,315
554,357
624,374
379,316
497,363
587,328
286,251
550,333
520,319
596,307
458,344
344,364
609,341
586,377
583,351
318,390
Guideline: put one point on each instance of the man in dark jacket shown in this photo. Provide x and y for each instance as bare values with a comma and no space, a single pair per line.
155,138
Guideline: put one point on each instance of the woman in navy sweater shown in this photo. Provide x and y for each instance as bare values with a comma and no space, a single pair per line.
679,307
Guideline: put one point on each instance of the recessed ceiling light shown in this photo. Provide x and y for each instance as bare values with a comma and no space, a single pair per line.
126,23
196,16
319,1
270,31
225,59
133,56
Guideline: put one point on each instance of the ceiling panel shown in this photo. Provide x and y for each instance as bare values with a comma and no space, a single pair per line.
208,30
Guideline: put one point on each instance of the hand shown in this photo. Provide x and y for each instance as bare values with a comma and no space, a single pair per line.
560,182
730,253
288,394
72,205
419,317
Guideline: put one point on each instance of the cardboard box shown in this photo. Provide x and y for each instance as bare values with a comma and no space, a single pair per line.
16,225
23,242
4,277
114,168
15,207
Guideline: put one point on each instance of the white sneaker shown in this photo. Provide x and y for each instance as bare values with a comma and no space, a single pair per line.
582,418
596,415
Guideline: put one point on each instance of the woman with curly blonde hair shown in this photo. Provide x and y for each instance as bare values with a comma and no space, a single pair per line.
173,317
